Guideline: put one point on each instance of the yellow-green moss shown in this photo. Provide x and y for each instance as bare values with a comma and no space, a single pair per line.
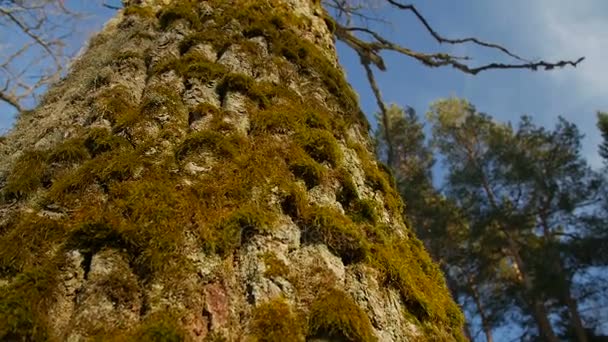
275,267
311,172
69,151
236,229
27,175
186,9
348,190
126,55
100,140
24,242
342,237
215,37
24,302
274,321
405,264
145,12
211,141
335,315
115,104
320,145
160,327
363,210
275,120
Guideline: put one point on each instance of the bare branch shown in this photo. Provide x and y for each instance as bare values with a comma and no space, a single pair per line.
441,39
32,54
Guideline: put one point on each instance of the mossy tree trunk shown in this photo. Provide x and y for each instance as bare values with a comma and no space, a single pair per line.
204,172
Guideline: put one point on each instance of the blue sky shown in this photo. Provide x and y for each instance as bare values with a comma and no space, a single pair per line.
548,29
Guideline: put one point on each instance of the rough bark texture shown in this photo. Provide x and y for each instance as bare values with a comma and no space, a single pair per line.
204,173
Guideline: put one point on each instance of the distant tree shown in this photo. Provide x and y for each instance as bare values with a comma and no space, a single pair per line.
602,125
438,221
525,192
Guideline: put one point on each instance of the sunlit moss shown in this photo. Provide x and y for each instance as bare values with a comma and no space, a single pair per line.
69,151
210,141
24,302
25,241
342,237
275,267
335,316
186,10
145,12
320,145
405,265
160,327
274,321
27,175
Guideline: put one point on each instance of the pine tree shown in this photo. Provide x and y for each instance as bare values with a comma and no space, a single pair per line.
529,196
204,172
602,125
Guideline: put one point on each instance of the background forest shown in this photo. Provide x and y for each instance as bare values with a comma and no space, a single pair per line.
513,207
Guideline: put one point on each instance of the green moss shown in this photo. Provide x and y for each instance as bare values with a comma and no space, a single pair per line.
294,202
25,241
145,12
330,22
24,302
69,151
363,211
100,140
274,121
274,321
191,65
320,145
336,316
160,96
348,190
236,229
186,10
27,176
118,165
311,172
342,237
208,140
161,327
127,56
92,237
379,180
196,65
115,104
275,267
405,264
215,37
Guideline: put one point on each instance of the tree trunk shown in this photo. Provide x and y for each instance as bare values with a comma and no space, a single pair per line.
204,172
485,323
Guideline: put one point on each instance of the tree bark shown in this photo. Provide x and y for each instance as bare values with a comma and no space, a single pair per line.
204,172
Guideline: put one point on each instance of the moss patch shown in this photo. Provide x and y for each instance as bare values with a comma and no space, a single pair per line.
161,327
275,267
186,10
335,315
321,146
207,140
274,321
342,237
145,12
23,304
25,241
28,174
405,264
236,229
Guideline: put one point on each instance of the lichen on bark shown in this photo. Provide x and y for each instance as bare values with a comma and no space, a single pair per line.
208,166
